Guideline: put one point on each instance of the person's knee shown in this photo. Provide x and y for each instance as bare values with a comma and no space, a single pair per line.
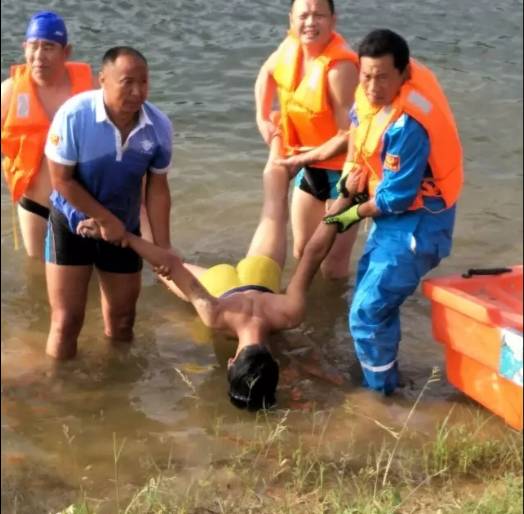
298,250
376,301
362,312
299,244
63,334
66,322
119,324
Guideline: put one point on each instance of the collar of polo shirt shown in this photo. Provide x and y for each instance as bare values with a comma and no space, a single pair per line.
101,113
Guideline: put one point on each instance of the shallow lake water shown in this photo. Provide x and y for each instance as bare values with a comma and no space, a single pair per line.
165,394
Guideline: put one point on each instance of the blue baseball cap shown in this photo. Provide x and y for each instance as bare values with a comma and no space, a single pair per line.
47,25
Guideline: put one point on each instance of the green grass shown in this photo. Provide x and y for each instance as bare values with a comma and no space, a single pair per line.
504,497
501,496
456,470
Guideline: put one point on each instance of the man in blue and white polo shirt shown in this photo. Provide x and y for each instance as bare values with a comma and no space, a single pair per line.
101,145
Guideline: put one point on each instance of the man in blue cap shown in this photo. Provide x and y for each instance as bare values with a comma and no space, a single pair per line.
30,97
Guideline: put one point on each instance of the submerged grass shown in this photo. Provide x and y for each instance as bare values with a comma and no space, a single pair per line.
456,469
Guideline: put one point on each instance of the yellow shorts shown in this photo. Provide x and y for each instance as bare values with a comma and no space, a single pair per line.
255,270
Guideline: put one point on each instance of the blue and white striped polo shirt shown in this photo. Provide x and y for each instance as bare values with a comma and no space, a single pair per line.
82,135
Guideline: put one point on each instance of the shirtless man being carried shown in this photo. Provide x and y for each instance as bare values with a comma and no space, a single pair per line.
245,300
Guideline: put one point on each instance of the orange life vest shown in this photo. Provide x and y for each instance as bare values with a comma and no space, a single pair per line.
307,118
26,125
422,98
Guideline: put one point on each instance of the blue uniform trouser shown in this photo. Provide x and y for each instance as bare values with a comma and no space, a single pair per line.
388,272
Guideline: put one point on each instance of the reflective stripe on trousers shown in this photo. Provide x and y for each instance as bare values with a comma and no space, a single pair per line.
388,272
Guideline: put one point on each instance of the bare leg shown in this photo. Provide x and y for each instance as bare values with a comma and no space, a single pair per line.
270,237
306,214
154,255
314,253
32,226
33,229
119,294
147,234
67,292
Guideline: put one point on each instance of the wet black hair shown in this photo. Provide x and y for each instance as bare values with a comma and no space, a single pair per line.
331,4
253,378
114,53
381,42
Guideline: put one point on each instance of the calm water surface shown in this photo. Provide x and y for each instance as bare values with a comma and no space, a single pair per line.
58,423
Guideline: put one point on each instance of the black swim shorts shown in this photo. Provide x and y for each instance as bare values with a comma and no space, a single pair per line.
67,249
34,207
318,182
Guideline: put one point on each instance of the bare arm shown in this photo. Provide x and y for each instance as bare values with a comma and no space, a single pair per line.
205,304
314,253
265,90
7,90
63,181
351,143
286,311
342,82
369,209
334,146
158,206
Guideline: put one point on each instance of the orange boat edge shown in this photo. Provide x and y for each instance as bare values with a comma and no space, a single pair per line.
478,318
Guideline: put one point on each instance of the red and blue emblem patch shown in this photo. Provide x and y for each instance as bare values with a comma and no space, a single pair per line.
392,162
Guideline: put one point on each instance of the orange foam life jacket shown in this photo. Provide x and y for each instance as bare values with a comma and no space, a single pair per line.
26,125
307,118
422,98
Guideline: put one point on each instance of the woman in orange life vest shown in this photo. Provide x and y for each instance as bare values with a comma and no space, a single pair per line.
406,147
315,75
30,98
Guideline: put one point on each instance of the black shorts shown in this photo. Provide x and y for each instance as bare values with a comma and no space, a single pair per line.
64,248
318,182
34,207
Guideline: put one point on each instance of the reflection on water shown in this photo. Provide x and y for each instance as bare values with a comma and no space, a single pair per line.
164,395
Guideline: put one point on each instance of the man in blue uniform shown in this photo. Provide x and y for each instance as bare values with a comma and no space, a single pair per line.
405,241
100,146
